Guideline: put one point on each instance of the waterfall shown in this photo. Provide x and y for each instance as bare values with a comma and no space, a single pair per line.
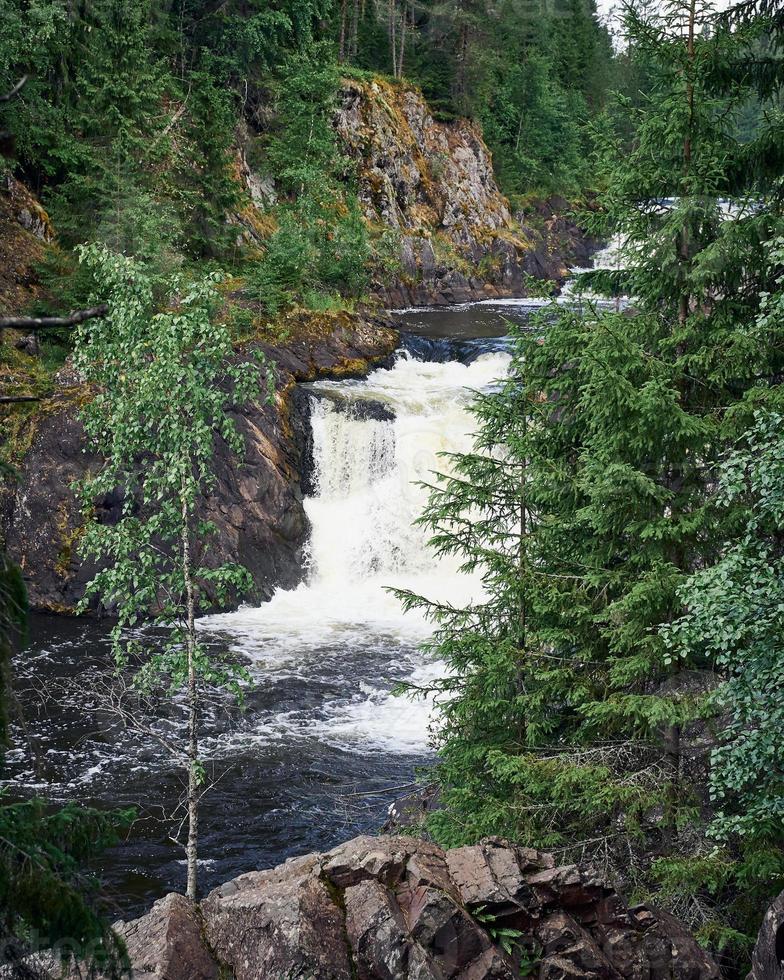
368,469
608,257
374,441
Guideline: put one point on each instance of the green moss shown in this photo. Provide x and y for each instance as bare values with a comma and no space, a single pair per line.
69,537
21,374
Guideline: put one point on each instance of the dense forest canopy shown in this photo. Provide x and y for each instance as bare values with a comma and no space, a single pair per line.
129,104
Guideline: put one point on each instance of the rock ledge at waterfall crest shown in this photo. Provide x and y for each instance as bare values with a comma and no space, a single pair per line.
391,908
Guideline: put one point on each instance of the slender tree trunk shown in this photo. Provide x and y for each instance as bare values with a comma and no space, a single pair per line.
392,15
462,57
519,130
343,21
193,710
403,32
354,37
685,248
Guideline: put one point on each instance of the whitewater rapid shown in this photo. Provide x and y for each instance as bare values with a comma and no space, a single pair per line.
369,463
322,744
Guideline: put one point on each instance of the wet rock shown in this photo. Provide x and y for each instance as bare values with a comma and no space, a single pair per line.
363,410
767,961
256,504
397,908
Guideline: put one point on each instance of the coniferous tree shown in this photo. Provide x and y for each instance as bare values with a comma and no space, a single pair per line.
625,418
49,901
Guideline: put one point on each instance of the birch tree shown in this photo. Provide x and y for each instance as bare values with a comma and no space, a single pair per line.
163,384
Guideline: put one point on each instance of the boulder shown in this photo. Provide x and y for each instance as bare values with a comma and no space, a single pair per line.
398,908
284,923
167,943
767,961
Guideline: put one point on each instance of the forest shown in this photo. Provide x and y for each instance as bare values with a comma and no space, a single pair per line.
216,197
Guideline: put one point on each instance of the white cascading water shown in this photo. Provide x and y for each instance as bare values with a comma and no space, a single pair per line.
609,257
364,540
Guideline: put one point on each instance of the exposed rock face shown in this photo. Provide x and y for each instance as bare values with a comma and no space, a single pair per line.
433,183
257,502
27,210
767,961
391,908
415,173
24,231
167,944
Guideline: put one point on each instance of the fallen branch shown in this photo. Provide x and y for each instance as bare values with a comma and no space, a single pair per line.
51,322
15,90
13,399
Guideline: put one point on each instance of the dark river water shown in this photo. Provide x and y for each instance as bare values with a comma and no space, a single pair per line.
323,745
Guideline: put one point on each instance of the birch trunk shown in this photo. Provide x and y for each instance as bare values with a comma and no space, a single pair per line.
392,15
191,852
343,20
403,32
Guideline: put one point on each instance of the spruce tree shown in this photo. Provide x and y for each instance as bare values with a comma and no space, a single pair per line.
577,730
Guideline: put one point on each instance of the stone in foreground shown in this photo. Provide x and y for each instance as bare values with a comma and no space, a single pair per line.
395,908
767,961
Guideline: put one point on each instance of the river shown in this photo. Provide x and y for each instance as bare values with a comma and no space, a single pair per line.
323,746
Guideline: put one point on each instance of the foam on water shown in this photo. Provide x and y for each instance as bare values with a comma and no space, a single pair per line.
608,257
364,540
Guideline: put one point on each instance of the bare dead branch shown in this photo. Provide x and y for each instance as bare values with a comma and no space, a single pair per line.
14,399
15,90
51,322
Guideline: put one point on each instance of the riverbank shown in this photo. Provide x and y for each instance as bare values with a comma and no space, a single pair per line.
257,503
386,908
323,744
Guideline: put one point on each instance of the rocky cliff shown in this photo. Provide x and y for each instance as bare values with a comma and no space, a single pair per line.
395,908
433,184
257,502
